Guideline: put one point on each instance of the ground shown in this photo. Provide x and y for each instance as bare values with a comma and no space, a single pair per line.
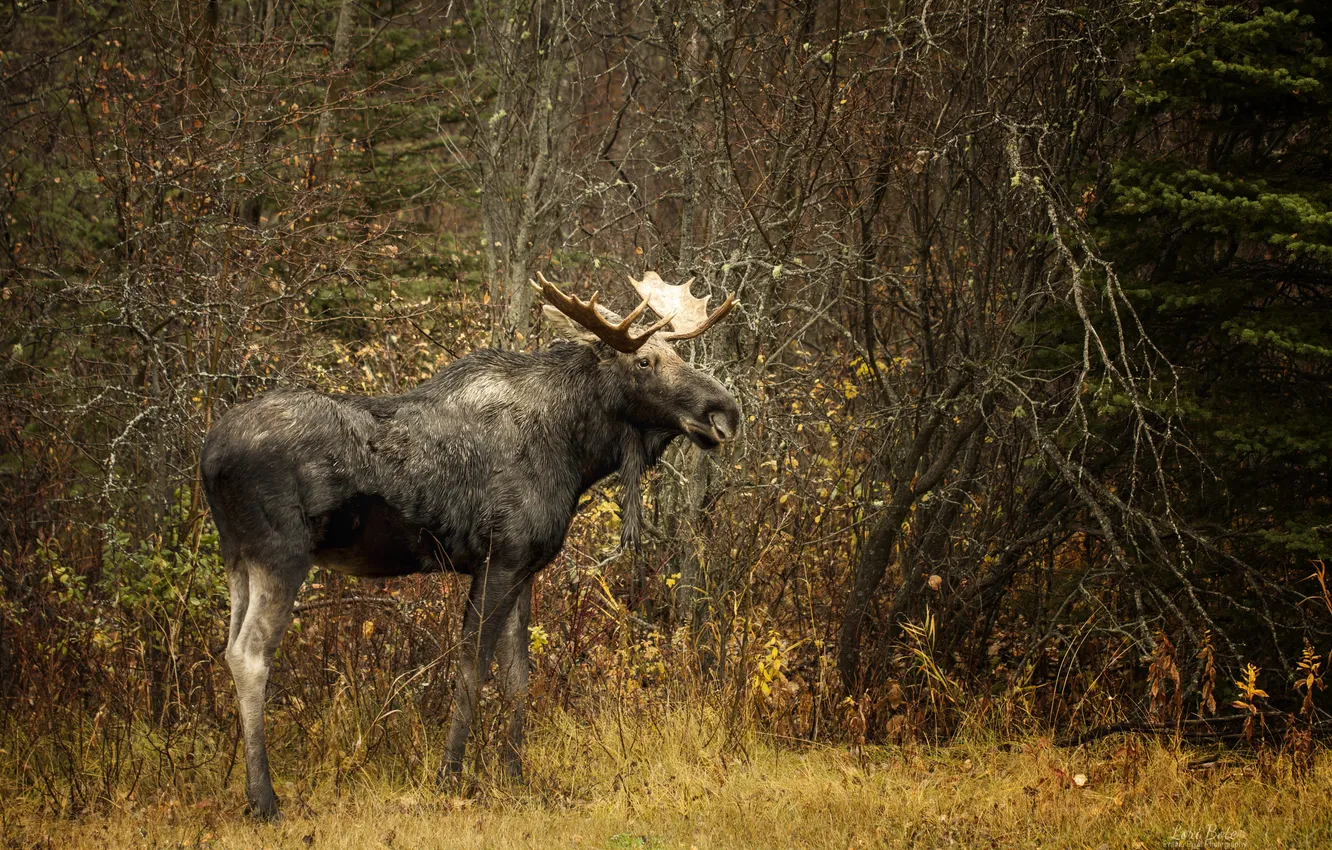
654,786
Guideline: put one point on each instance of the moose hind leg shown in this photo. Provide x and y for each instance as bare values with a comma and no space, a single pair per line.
271,595
238,587
514,669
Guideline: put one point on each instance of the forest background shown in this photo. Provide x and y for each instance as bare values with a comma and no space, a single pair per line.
1033,350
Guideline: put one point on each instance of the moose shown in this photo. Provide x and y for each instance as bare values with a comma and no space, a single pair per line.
478,470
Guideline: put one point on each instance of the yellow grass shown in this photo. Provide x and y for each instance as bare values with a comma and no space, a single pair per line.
673,782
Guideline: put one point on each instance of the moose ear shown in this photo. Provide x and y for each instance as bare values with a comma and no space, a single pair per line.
566,327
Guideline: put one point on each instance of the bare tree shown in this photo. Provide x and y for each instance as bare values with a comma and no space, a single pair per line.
519,99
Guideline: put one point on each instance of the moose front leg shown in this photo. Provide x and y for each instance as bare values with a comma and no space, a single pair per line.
492,596
514,669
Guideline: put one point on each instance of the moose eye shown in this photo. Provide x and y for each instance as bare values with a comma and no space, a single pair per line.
644,363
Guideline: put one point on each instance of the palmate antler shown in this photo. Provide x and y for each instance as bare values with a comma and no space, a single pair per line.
586,314
686,314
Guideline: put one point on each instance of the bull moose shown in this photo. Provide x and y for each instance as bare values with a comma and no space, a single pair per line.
478,470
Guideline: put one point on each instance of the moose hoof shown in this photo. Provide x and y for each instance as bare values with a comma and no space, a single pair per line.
264,809
449,776
514,771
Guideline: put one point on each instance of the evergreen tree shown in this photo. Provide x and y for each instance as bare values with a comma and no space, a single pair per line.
1217,218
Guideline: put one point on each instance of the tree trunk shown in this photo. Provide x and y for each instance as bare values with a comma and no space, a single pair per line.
876,555
337,82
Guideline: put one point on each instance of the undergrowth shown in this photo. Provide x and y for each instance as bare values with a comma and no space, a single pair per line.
675,775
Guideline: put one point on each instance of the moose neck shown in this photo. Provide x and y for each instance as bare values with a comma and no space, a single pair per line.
564,393
601,437
577,427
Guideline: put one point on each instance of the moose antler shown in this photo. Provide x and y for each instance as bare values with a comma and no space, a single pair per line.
688,313
586,314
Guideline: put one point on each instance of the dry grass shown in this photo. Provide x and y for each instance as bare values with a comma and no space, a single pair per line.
673,780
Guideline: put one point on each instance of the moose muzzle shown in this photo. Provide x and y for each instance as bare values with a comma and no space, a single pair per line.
718,426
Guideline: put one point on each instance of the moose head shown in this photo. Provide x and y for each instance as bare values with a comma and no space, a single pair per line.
654,387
